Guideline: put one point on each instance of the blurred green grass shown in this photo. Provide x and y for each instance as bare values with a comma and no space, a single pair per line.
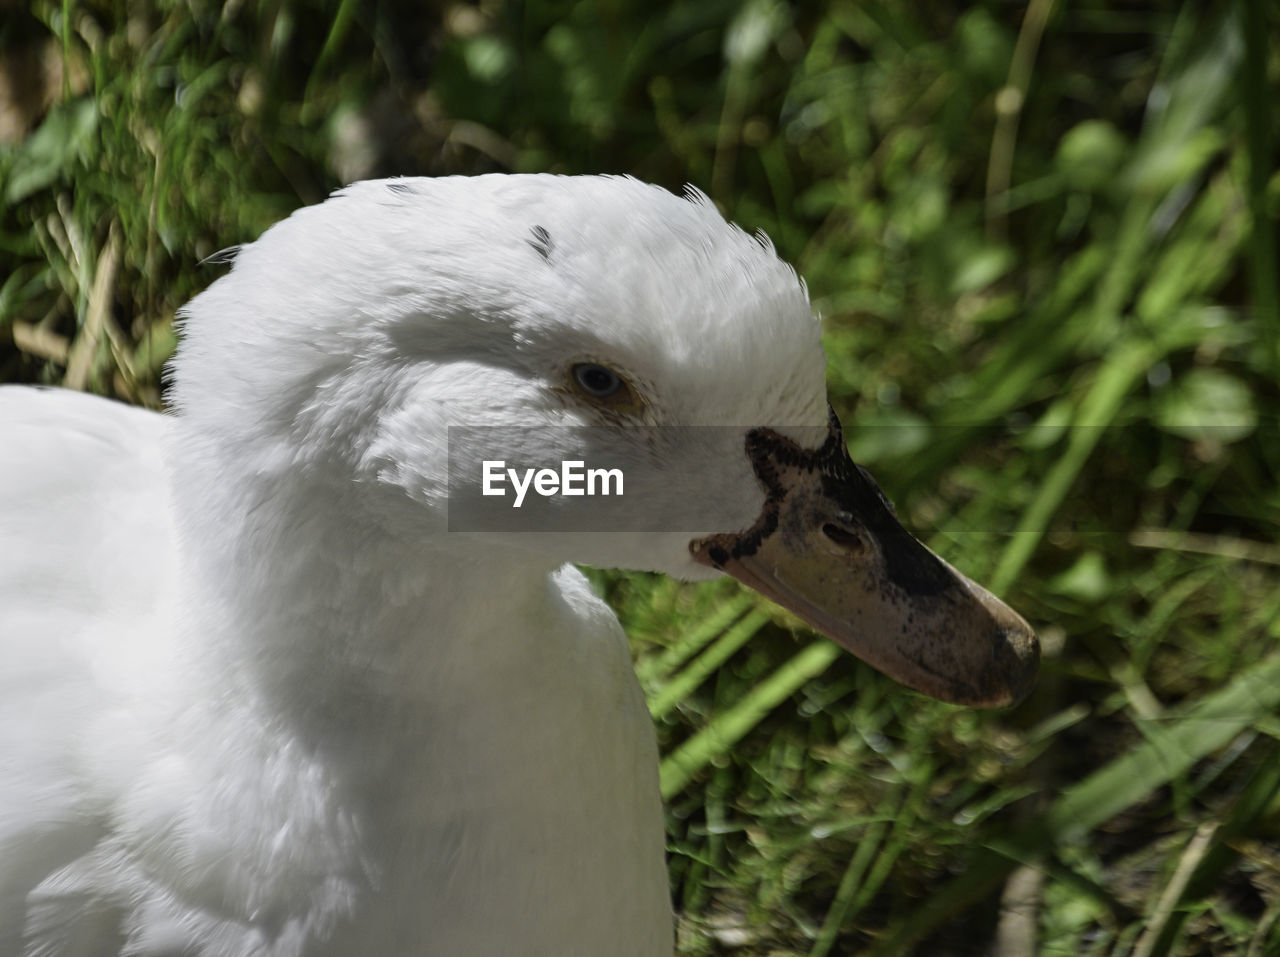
1042,239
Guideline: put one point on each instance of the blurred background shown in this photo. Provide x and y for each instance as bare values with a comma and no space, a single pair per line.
1042,238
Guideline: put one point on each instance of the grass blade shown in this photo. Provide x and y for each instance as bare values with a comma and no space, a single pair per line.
728,727
679,687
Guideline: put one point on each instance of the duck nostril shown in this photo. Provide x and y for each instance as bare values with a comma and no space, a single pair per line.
849,541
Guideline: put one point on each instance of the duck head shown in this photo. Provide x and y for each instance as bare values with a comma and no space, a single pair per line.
584,318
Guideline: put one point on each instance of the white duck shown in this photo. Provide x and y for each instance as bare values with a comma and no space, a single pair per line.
256,699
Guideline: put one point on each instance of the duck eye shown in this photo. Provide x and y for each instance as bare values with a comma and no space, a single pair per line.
604,388
596,380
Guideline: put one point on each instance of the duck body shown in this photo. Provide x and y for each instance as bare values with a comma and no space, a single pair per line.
334,730
258,698
160,798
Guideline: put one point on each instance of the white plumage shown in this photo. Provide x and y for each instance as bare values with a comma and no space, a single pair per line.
254,699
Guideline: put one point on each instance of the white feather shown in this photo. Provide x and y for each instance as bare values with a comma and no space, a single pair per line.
255,700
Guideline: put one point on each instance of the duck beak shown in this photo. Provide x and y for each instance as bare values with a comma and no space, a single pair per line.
828,548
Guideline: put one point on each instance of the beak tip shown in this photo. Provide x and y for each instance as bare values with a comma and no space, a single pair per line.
1016,651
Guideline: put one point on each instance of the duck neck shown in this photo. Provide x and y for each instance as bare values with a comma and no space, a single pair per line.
455,724
338,626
